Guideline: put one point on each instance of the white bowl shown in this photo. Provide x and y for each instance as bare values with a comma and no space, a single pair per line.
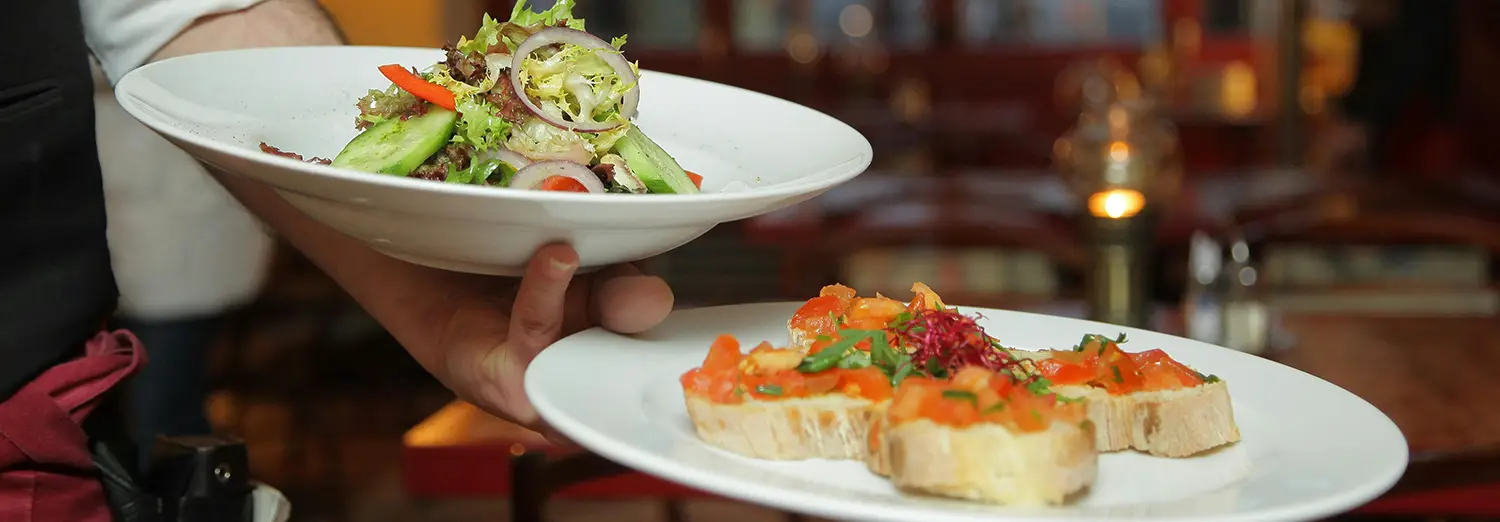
756,153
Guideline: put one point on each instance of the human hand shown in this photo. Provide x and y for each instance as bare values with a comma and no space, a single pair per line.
495,328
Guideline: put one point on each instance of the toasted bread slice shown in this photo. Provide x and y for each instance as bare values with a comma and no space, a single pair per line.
1167,423
990,463
877,444
1183,422
833,426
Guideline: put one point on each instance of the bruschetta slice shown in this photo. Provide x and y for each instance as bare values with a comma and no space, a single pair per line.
985,436
1145,401
779,404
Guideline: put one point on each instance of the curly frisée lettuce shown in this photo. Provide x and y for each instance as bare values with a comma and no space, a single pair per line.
575,83
480,125
527,103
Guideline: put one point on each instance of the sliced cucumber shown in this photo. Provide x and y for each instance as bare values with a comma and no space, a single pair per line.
653,166
397,146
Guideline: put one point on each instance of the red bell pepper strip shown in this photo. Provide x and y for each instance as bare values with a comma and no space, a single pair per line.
420,88
697,180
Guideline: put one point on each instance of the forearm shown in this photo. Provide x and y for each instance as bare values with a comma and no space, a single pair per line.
271,23
400,295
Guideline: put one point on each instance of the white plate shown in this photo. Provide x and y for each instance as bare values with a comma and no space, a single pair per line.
756,153
1309,448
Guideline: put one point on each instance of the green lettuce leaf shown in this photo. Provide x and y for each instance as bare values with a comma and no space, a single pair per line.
476,174
561,10
488,36
496,173
480,125
378,106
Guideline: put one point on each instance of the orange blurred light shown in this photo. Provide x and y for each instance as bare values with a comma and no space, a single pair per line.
1116,203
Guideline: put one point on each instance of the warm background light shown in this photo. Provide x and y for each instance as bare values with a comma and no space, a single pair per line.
1119,151
1116,203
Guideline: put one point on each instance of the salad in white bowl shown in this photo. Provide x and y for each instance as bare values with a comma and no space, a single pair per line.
531,103
529,132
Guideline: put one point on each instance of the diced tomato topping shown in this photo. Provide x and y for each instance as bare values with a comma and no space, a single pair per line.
1082,358
780,385
820,383
1116,372
819,344
972,378
724,354
1062,373
1029,412
717,387
869,383
913,392
1161,372
976,394
819,315
951,411
873,313
1105,365
1003,387
723,378
843,293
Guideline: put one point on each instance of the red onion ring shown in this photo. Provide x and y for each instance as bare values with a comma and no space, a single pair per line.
616,61
515,159
528,178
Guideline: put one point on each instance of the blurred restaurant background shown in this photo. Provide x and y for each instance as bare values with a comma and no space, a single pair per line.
1312,181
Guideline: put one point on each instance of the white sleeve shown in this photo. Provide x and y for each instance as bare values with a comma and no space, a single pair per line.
123,34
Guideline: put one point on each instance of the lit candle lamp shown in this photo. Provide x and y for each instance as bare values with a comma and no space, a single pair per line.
1120,161
1116,203
1118,229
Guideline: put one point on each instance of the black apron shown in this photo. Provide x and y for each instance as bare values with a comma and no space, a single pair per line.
60,425
56,287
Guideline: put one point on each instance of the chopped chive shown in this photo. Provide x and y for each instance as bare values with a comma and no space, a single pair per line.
961,395
1118,377
902,370
881,352
768,389
994,408
935,368
1040,386
855,360
831,354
